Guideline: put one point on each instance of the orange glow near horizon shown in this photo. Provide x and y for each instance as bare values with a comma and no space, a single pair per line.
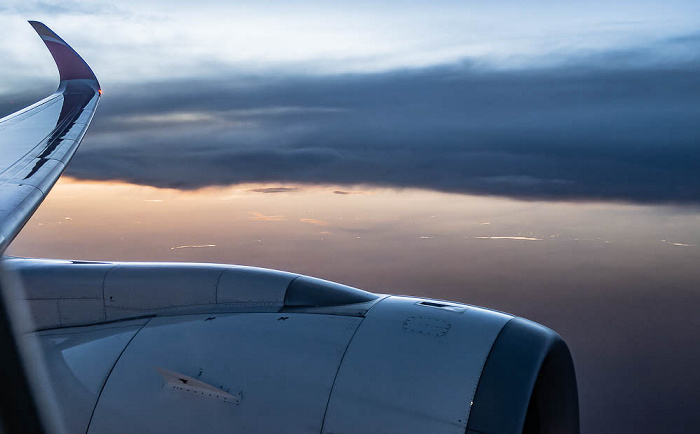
380,239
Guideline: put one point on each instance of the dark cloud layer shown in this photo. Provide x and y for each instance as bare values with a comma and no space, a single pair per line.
591,130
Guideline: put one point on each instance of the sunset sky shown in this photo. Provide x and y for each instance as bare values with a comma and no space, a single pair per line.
537,158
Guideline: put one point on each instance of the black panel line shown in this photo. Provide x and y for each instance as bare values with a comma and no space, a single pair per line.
216,288
110,374
340,364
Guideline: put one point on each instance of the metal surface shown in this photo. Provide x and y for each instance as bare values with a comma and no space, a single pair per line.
36,143
20,406
181,383
307,291
282,367
79,362
412,369
413,365
529,381
64,293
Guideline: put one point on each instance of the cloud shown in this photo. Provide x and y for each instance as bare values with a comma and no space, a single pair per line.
269,190
260,217
345,192
678,244
593,129
518,238
195,246
314,222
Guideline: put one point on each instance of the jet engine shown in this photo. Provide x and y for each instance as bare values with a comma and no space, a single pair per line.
172,347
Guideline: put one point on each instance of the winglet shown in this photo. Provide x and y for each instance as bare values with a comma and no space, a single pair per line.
70,65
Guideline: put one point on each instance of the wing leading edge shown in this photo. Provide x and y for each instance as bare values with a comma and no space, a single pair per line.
36,143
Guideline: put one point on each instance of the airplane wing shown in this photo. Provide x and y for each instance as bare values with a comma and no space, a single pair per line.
37,143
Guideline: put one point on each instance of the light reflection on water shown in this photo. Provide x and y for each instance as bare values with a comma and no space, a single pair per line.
619,282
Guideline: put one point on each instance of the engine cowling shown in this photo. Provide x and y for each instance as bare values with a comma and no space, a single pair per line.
156,347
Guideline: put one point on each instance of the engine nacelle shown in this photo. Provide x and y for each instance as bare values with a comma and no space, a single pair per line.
154,347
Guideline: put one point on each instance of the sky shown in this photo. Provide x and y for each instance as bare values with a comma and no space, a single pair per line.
553,100
539,158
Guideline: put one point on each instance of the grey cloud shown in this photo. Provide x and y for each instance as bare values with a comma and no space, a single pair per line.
589,130
11,102
269,190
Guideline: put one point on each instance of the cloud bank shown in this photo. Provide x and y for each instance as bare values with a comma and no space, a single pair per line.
603,127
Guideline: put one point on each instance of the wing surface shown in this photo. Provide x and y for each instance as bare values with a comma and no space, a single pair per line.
36,143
